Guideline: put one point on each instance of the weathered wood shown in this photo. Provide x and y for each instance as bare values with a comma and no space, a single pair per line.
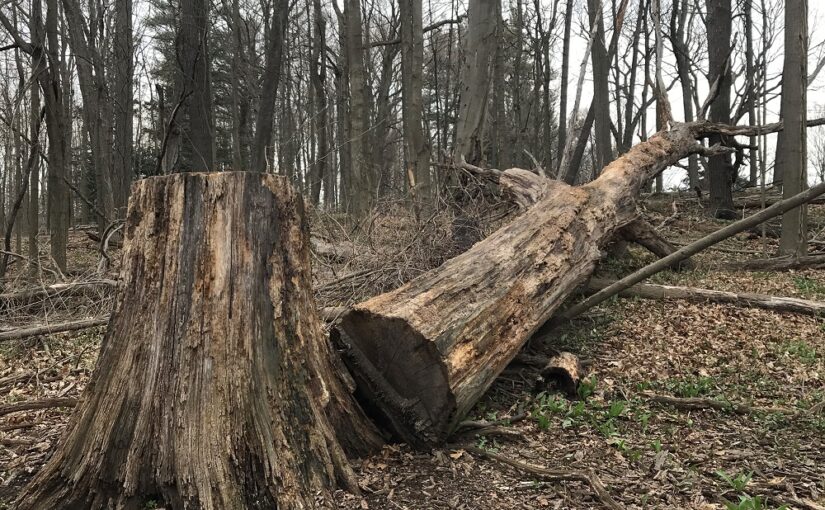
642,233
26,296
565,371
423,354
781,263
51,329
215,386
33,405
747,299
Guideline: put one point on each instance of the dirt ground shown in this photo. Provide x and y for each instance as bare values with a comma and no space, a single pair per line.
764,447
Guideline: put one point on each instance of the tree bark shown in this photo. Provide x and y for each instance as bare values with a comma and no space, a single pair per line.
721,174
215,386
269,87
794,149
565,78
601,91
475,79
360,179
416,150
195,131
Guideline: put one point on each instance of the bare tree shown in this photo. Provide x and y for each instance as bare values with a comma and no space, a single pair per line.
794,155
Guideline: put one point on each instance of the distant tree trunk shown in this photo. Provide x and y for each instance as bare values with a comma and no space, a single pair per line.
197,145
269,86
751,93
565,78
123,103
97,104
721,172
794,107
34,177
342,123
360,179
57,125
238,162
416,149
215,387
475,79
601,90
318,76
678,34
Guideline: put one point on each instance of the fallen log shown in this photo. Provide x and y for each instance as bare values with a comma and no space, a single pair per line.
215,387
781,263
763,301
424,353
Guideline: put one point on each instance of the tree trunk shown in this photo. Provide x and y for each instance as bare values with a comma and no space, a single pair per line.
269,87
215,386
424,353
721,172
475,79
321,169
123,104
565,78
601,91
417,152
794,149
360,182
195,131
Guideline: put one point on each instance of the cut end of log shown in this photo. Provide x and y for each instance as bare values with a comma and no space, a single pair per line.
402,382
564,371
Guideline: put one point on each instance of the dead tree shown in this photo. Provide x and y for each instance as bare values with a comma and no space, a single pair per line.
423,354
215,386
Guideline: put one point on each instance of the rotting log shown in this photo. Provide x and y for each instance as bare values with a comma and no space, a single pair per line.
524,188
423,354
747,299
215,387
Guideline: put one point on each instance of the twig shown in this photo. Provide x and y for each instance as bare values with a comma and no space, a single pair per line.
554,475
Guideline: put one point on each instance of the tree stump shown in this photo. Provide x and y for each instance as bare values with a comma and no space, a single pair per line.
214,380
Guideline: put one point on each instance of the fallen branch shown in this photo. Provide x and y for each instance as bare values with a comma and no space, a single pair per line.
709,403
31,405
553,475
51,329
59,289
763,301
781,263
692,249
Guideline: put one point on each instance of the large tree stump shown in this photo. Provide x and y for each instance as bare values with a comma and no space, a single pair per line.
423,354
214,380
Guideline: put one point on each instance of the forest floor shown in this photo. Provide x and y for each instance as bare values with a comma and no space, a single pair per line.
646,454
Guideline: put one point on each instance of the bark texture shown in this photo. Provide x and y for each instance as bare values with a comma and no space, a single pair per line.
214,375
